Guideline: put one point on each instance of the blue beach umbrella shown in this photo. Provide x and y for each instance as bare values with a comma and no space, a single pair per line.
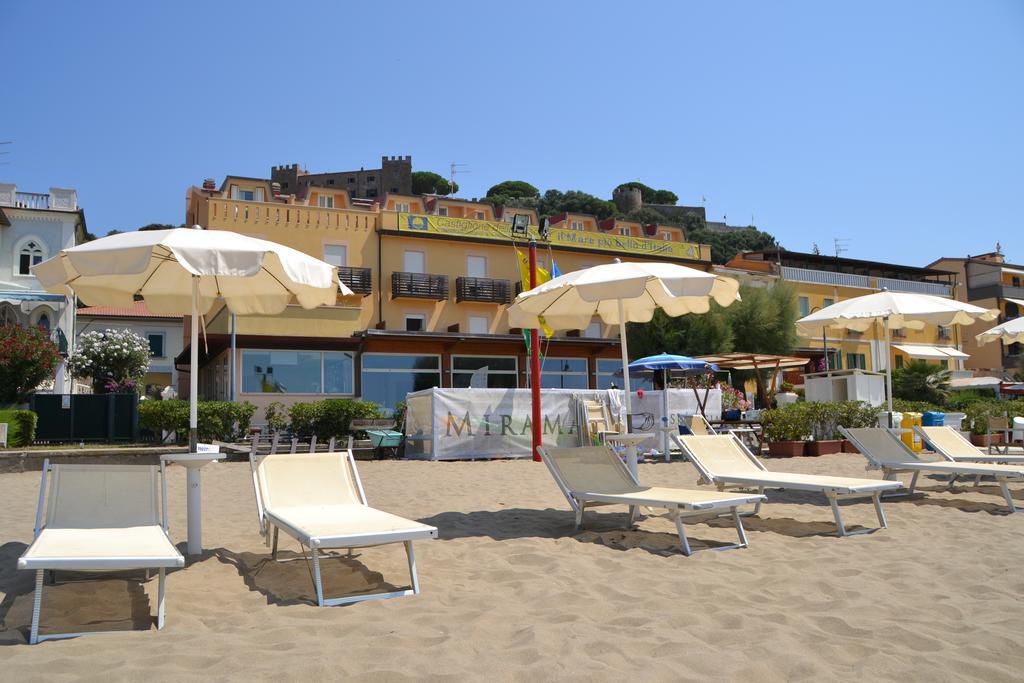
667,362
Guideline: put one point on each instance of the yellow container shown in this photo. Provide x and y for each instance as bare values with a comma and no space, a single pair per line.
910,437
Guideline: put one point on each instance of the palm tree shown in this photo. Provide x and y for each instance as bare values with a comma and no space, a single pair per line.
921,381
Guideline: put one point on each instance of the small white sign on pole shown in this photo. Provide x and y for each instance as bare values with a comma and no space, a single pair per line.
207,448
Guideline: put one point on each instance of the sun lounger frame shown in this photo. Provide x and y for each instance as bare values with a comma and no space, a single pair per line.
271,524
94,565
977,456
834,494
916,466
579,501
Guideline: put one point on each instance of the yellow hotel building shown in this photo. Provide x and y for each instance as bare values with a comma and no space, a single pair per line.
432,276
820,281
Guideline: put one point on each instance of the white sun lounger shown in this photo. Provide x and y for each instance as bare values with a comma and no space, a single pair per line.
725,462
318,499
954,447
100,518
595,475
887,452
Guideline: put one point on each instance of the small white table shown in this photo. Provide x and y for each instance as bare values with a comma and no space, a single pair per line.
629,442
193,463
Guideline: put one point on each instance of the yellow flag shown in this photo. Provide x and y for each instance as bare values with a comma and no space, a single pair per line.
542,277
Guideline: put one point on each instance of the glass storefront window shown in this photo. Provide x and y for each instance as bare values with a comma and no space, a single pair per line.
606,377
501,371
387,378
296,372
563,373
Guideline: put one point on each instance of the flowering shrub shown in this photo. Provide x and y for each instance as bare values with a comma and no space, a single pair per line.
733,399
116,360
27,357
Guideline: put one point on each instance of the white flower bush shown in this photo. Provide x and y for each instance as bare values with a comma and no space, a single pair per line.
116,360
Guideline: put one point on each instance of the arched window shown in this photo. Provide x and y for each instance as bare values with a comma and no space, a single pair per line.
43,321
31,254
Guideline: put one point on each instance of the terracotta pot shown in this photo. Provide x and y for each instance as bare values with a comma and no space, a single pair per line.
786,449
824,447
984,441
848,447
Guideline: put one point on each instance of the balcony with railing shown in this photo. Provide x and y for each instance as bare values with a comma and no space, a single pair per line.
915,286
419,286
825,277
484,289
359,280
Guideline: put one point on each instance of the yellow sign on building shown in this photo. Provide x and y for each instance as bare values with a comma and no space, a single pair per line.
557,237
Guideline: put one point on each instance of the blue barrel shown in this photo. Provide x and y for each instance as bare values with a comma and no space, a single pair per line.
933,419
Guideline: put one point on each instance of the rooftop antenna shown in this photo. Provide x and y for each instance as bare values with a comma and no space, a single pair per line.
841,245
454,171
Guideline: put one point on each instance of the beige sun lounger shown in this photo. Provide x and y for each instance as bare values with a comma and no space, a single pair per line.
595,475
318,499
100,518
887,452
954,447
725,462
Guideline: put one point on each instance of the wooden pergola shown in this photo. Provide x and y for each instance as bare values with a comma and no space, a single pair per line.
740,360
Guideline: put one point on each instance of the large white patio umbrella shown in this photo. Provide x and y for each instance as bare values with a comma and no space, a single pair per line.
186,271
618,293
895,311
1010,332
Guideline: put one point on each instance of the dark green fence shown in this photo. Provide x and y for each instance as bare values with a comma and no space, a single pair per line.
86,417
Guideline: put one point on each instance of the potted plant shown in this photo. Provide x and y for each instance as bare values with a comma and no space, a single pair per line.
786,396
854,414
978,414
785,429
733,403
824,423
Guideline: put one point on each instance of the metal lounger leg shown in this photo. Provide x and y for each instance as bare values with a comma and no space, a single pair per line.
273,549
913,483
412,568
161,580
37,601
634,514
579,515
316,577
757,505
1006,494
876,498
840,527
739,527
682,535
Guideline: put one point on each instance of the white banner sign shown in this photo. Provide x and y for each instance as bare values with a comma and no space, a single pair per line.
459,424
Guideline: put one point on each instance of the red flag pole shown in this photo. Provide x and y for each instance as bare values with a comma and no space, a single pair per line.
535,361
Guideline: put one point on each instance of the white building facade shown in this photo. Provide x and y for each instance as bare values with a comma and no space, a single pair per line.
34,227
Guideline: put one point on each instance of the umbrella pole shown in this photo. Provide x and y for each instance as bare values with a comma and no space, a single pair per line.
888,368
630,462
664,412
193,371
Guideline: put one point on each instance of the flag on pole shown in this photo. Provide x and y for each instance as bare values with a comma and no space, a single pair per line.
542,277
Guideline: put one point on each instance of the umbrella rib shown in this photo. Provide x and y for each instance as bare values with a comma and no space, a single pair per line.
163,260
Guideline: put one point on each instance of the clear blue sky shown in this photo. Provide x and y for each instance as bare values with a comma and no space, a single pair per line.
899,126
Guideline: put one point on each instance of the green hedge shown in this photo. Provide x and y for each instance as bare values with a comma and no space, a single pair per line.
979,412
221,420
329,417
21,427
802,420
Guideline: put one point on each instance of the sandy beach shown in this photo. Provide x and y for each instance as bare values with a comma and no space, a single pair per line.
512,592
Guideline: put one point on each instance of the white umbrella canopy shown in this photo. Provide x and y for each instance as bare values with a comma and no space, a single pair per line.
1010,332
618,293
186,271
251,275
895,310
903,310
